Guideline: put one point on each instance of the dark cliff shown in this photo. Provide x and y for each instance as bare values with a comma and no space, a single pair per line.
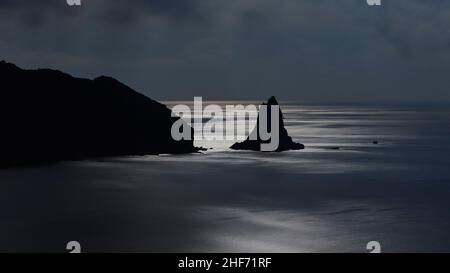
47,115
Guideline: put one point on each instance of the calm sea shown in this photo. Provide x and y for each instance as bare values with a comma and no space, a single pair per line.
339,193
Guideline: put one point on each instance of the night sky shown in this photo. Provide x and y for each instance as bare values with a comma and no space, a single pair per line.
327,51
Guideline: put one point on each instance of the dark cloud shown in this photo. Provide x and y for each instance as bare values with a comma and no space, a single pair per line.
313,50
35,13
123,11
117,11
412,27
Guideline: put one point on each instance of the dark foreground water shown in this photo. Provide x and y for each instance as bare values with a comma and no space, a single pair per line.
396,192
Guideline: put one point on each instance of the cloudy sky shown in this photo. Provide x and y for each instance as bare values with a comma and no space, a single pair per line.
306,50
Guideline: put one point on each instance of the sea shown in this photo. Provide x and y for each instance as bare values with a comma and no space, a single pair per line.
368,173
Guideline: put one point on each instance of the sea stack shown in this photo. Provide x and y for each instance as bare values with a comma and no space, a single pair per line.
285,141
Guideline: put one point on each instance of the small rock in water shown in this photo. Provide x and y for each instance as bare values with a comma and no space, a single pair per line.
285,141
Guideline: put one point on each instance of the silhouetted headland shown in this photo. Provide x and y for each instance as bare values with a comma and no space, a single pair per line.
47,116
285,141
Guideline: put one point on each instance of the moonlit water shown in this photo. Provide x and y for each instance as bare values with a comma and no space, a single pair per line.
339,193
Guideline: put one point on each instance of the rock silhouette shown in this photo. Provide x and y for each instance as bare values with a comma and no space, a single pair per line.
285,141
47,115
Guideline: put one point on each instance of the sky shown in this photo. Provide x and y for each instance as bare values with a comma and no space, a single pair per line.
325,51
